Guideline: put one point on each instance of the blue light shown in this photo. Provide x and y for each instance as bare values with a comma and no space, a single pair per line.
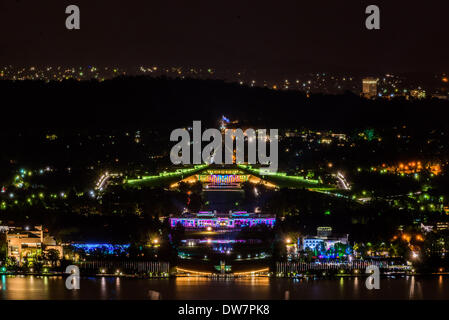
109,248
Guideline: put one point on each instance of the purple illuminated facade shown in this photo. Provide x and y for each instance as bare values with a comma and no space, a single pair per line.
204,220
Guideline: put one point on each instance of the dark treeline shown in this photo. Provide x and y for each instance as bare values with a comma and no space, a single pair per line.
142,102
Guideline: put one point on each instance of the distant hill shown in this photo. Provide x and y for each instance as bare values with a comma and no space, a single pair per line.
143,102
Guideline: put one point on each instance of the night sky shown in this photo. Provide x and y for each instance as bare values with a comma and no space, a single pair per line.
270,37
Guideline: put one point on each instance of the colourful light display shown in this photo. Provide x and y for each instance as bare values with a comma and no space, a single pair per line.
222,222
223,178
214,241
108,248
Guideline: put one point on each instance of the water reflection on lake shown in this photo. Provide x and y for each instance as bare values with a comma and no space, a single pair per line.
44,288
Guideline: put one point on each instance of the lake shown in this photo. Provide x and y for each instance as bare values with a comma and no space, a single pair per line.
111,288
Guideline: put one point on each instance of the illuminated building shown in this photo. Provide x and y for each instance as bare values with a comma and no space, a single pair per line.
223,180
5,229
328,242
51,137
203,220
339,136
28,243
418,93
312,243
442,226
324,231
426,229
369,89
324,237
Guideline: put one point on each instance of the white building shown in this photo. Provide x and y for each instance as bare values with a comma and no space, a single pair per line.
324,236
